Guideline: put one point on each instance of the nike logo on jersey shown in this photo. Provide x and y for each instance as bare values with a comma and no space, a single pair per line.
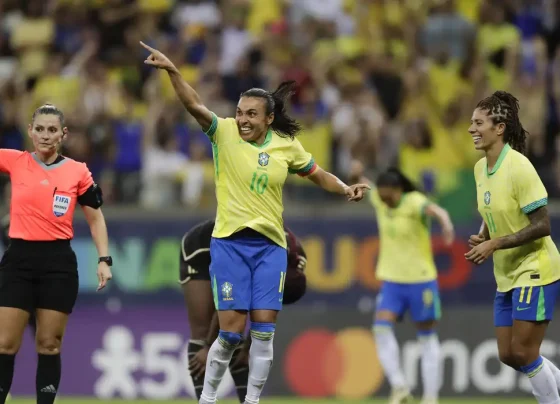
44,182
522,308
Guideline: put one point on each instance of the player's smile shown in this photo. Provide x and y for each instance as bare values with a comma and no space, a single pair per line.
246,132
252,120
481,130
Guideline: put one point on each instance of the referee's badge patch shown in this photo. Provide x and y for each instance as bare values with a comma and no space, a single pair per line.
263,159
61,204
227,291
487,197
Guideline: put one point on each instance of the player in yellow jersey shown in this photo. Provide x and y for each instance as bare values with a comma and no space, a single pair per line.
516,232
253,154
406,267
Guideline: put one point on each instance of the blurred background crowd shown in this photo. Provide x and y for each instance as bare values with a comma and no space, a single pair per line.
384,81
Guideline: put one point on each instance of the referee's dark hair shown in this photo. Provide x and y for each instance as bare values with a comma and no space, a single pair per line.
49,109
283,124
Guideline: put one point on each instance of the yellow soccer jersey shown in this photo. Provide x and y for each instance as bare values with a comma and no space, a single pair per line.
249,179
405,251
505,197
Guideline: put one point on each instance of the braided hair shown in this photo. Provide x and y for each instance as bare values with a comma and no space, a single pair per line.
503,108
283,124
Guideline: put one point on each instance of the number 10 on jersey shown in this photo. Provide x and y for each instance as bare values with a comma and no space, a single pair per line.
259,183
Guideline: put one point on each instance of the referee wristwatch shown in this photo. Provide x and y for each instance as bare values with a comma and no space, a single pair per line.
108,260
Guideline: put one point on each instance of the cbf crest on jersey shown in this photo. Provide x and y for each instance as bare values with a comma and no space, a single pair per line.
227,291
61,204
263,159
487,197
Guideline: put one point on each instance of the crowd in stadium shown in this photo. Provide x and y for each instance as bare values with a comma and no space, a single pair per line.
384,81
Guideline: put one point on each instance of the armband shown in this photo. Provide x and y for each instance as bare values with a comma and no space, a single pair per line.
93,197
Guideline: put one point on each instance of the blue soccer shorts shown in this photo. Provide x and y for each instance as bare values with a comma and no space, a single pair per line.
247,273
421,299
527,303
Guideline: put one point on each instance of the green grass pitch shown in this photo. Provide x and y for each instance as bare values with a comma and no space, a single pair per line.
266,400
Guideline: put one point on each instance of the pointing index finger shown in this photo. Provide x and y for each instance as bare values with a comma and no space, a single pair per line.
147,47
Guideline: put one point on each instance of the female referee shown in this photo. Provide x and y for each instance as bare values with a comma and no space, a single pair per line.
194,278
406,267
38,272
516,232
253,154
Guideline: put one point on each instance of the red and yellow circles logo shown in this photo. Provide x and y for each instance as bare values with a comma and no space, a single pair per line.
321,363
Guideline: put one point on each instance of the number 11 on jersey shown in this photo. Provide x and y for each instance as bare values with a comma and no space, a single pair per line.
490,223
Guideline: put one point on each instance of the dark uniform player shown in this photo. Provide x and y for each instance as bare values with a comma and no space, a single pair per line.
203,319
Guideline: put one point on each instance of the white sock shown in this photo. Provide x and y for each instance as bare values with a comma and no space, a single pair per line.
219,356
388,353
554,369
261,354
431,364
542,381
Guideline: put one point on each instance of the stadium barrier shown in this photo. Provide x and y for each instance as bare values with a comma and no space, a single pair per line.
141,352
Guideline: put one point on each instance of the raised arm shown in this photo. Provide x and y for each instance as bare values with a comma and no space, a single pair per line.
187,95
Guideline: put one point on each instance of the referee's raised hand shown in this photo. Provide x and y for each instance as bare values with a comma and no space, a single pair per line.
158,59
103,275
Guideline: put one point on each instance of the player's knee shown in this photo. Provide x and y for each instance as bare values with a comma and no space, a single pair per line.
523,355
9,346
426,334
229,340
385,316
382,327
48,344
508,359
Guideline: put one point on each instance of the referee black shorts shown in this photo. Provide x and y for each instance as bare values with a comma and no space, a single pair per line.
39,275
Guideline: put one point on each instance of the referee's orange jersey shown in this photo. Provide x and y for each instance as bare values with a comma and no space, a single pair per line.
43,196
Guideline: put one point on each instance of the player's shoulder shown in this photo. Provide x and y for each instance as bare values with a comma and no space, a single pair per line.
518,158
480,164
227,124
416,196
285,140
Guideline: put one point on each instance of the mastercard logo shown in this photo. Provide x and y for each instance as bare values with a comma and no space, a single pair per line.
344,364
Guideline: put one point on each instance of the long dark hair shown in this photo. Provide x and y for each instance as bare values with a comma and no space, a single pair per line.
503,108
393,177
283,124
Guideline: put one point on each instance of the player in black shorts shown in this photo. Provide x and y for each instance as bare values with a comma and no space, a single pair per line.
203,319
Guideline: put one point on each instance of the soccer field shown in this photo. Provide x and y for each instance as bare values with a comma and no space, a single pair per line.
280,401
